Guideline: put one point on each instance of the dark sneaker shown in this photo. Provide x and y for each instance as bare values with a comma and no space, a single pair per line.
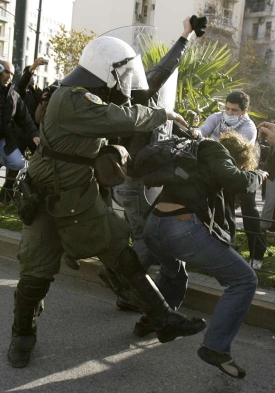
20,350
143,327
223,361
70,262
186,327
123,305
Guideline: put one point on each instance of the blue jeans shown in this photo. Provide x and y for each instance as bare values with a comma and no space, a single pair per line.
130,196
14,160
169,238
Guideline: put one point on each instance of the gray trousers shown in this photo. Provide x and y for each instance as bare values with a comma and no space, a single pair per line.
269,204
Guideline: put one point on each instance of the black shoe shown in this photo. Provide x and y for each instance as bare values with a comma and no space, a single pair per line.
71,262
223,361
20,350
186,327
143,327
123,305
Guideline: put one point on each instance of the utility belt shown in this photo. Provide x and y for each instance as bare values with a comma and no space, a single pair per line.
110,165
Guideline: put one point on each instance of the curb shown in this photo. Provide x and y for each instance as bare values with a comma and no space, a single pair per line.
201,298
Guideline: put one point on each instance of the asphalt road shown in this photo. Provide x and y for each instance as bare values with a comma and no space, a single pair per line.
86,345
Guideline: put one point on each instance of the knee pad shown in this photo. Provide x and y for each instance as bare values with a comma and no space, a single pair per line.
128,261
30,291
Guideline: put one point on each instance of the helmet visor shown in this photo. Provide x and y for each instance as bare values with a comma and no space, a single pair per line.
130,75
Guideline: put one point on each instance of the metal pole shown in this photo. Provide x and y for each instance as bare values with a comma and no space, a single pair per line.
38,30
19,40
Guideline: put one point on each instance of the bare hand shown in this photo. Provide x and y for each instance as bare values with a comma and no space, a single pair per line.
36,140
195,133
187,28
37,62
267,129
264,173
171,115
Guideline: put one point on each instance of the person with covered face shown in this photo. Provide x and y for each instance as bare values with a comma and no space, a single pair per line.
70,214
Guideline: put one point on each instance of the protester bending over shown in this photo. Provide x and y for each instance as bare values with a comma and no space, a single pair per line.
190,223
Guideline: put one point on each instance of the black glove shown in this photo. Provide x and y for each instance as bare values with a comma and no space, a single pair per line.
198,25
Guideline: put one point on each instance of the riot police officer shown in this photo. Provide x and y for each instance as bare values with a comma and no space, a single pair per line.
69,213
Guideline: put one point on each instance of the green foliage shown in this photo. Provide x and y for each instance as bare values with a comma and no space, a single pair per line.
68,46
9,218
206,77
266,276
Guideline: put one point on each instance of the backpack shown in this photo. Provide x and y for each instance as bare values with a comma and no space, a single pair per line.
167,162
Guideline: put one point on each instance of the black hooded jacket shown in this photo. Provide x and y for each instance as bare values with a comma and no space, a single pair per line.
213,190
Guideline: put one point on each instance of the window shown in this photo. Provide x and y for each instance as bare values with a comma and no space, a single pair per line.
258,5
26,61
1,48
47,49
46,68
227,17
136,7
27,43
45,82
255,31
2,29
268,27
145,11
40,47
210,9
226,4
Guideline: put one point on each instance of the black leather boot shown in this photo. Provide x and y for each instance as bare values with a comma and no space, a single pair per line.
23,336
167,323
28,305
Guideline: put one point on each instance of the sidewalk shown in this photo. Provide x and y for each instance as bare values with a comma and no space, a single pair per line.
202,295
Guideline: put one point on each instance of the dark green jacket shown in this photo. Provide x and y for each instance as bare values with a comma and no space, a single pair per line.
76,123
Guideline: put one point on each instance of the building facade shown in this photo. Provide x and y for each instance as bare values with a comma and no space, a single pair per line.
6,29
259,25
52,16
106,15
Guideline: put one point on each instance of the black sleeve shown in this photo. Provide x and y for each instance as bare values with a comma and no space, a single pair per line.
22,85
159,74
226,174
23,118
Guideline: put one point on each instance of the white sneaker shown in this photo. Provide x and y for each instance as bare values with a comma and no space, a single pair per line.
256,264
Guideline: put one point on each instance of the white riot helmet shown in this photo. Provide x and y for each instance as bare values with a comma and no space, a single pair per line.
107,61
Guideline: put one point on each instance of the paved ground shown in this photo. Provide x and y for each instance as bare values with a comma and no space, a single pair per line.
85,345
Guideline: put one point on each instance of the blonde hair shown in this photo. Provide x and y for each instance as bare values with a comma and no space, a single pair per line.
245,154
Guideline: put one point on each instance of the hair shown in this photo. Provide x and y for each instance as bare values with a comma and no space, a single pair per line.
240,98
244,153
